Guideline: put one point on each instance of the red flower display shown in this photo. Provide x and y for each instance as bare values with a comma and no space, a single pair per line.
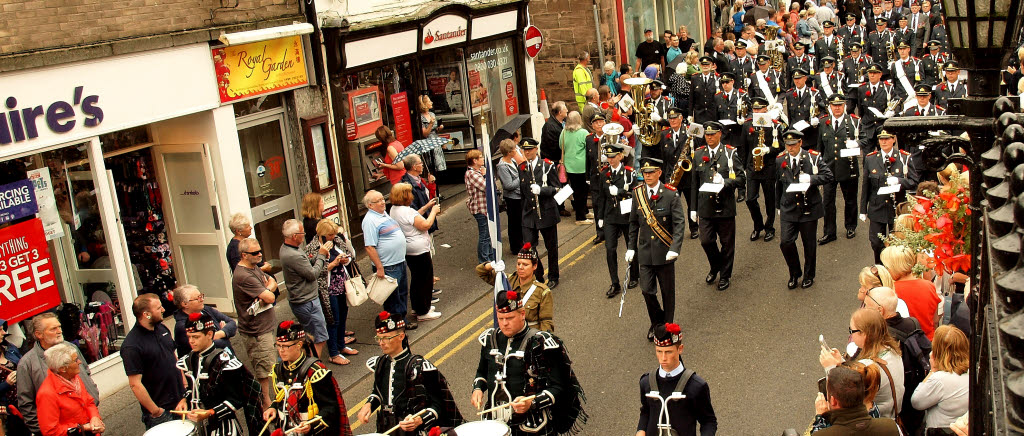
938,223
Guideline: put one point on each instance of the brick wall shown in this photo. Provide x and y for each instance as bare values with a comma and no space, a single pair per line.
568,27
30,25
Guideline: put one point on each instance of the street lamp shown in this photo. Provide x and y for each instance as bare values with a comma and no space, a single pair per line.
980,32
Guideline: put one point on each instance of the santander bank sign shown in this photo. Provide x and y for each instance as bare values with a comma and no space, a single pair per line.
444,30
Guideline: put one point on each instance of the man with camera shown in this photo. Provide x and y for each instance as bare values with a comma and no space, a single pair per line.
842,407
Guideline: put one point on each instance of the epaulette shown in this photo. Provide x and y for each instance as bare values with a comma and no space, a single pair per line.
318,374
813,89
775,121
748,120
483,336
547,161
522,166
669,187
741,91
854,116
940,108
628,168
729,147
702,147
872,153
812,152
718,92
232,362
716,74
887,82
427,366
904,152
371,363
810,54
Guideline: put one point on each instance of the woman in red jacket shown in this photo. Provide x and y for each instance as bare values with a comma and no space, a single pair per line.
65,408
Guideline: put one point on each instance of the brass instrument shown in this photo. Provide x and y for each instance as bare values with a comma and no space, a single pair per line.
684,163
890,52
772,44
761,150
612,133
741,111
893,104
647,129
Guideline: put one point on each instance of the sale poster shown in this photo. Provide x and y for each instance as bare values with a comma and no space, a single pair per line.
27,282
17,200
403,125
40,179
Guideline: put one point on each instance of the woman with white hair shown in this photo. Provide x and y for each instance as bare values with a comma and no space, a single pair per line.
64,405
610,77
922,300
241,228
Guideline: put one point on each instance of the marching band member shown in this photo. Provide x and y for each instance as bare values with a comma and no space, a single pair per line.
801,103
539,182
933,62
855,65
684,413
830,81
716,163
952,87
838,132
765,82
743,66
873,97
727,104
304,388
660,102
800,61
888,167
923,108
799,211
528,370
852,32
761,181
656,231
610,186
829,44
703,87
671,144
410,391
878,41
903,33
905,71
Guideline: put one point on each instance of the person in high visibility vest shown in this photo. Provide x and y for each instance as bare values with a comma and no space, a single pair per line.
582,78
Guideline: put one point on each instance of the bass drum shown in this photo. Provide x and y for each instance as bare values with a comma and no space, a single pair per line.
173,428
483,428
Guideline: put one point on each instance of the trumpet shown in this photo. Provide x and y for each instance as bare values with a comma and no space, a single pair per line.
647,130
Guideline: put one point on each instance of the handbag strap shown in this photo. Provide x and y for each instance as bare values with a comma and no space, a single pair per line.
892,386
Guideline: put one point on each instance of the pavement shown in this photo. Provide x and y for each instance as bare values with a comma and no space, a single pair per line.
756,343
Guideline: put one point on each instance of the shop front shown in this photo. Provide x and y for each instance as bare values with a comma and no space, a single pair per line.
465,66
635,16
119,176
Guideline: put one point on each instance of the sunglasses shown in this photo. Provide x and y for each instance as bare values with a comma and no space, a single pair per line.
852,331
254,253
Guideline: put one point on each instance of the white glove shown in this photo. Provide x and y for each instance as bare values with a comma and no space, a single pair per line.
815,121
863,217
614,190
805,178
888,114
693,216
603,159
600,223
535,189
655,117
892,181
629,255
636,128
670,256
498,266
717,178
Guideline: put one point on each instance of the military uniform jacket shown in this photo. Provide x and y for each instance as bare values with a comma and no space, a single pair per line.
800,206
829,46
540,306
799,106
905,34
851,34
545,175
407,384
878,99
742,67
606,205
661,106
836,81
702,97
771,80
217,380
592,146
705,166
750,136
531,362
326,401
881,208
931,68
878,46
726,105
668,150
945,91
910,69
684,414
805,61
832,136
928,111
854,68
668,211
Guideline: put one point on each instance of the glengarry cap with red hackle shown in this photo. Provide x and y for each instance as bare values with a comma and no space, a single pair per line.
387,322
667,335
508,301
199,322
528,253
289,330
438,431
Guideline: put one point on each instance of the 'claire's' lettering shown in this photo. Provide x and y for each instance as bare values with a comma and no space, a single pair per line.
60,116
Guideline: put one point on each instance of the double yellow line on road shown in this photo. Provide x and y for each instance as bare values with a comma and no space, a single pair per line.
484,318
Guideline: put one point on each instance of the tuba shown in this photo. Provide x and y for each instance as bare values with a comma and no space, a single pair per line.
647,130
761,150
773,45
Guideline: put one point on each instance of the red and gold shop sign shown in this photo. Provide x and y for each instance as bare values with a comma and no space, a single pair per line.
27,282
249,70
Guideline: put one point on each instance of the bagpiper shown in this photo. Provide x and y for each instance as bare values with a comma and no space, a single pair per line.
703,87
886,181
952,87
829,44
529,373
538,181
852,32
839,135
656,235
855,66
717,174
802,105
799,173
217,384
905,71
306,395
761,180
410,391
873,100
673,398
611,188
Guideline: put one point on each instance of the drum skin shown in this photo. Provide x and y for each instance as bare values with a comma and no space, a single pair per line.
173,428
484,428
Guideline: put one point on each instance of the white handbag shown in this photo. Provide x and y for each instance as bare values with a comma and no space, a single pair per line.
355,291
380,289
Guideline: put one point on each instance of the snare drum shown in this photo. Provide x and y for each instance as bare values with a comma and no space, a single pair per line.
173,428
483,428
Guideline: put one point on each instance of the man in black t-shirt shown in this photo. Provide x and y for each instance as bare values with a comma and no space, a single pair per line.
648,52
148,357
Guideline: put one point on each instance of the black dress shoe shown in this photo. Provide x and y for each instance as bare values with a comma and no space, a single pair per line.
552,284
755,235
613,291
693,235
769,235
711,277
598,240
793,281
564,212
411,324
826,239
723,284
850,234
807,283
650,334
633,284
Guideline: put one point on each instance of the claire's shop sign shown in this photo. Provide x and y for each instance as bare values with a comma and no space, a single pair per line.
444,30
68,103
23,122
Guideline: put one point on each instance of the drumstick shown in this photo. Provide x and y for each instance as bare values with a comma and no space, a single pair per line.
531,397
399,425
265,426
310,422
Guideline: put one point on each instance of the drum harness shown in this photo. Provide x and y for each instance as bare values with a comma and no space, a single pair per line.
505,414
664,425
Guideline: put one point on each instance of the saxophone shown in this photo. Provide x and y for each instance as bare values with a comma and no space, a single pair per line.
890,52
684,164
759,151
647,130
